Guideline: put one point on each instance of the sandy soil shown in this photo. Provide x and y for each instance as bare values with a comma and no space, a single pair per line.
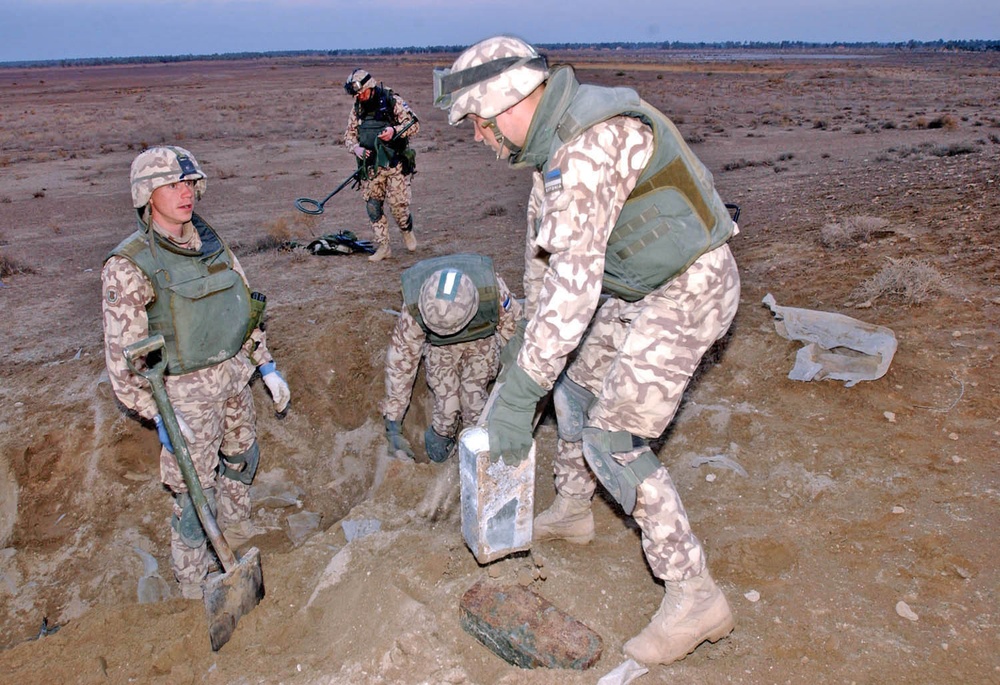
853,499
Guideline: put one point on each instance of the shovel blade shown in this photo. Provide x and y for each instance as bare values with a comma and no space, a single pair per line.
231,595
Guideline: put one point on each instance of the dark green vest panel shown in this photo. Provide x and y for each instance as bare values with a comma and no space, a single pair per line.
480,270
201,304
673,215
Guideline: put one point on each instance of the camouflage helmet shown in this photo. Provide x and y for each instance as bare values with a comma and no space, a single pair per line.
488,78
358,81
160,166
448,301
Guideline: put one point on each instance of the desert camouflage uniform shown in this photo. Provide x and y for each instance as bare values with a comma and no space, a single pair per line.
458,374
216,403
637,357
386,184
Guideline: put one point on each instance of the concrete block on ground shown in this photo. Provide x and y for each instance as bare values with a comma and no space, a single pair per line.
527,630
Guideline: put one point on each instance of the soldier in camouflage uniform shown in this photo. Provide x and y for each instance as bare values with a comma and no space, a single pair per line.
174,276
457,314
618,204
376,137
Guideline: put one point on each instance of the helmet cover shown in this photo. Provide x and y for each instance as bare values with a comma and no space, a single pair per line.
161,166
448,301
488,78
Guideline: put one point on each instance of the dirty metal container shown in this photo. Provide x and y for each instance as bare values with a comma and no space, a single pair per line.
497,499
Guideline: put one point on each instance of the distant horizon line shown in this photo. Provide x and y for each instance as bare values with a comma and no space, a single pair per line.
966,45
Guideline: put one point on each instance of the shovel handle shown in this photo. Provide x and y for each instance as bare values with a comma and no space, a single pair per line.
154,375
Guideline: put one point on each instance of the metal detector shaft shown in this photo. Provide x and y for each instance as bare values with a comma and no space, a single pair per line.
310,206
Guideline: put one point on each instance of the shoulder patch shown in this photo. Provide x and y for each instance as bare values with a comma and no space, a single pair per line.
111,295
553,181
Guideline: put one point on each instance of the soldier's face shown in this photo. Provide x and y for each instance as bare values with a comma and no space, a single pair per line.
171,205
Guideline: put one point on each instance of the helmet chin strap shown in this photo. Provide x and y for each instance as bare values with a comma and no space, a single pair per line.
502,139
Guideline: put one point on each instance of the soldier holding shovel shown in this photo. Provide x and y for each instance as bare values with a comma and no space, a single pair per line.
174,276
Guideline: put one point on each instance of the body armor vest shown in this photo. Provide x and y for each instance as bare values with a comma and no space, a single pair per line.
672,216
201,305
374,115
476,267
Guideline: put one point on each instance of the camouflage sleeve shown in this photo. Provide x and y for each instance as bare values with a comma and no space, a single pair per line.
574,217
351,134
402,359
256,347
535,260
403,115
125,294
510,312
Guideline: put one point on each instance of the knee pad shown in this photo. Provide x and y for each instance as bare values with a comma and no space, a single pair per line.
619,480
572,402
438,446
229,465
188,525
374,208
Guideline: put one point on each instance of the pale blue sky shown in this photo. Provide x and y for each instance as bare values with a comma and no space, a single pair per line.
59,29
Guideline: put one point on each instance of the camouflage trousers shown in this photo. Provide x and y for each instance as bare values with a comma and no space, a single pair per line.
458,376
221,427
637,359
389,186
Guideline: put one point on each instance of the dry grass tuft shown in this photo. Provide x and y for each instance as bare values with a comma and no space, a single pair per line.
851,231
9,266
907,280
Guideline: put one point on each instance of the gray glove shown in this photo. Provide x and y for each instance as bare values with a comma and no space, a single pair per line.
397,443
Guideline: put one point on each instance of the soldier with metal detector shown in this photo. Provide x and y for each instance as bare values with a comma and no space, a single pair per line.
619,204
457,315
175,277
378,132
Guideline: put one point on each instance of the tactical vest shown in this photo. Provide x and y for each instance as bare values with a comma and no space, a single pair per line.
374,115
476,267
672,216
201,305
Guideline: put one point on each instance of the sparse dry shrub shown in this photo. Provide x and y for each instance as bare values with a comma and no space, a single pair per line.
278,237
952,150
851,231
946,121
495,210
907,280
10,266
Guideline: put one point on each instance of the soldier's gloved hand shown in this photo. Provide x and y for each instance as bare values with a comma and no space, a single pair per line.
164,436
397,443
360,152
161,432
508,355
509,422
438,446
276,385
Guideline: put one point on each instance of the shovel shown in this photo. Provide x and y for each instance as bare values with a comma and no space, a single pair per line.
229,595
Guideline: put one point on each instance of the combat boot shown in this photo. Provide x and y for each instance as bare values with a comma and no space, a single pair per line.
691,612
410,240
383,252
567,519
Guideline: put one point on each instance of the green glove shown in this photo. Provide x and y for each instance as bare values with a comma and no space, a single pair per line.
509,422
508,355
